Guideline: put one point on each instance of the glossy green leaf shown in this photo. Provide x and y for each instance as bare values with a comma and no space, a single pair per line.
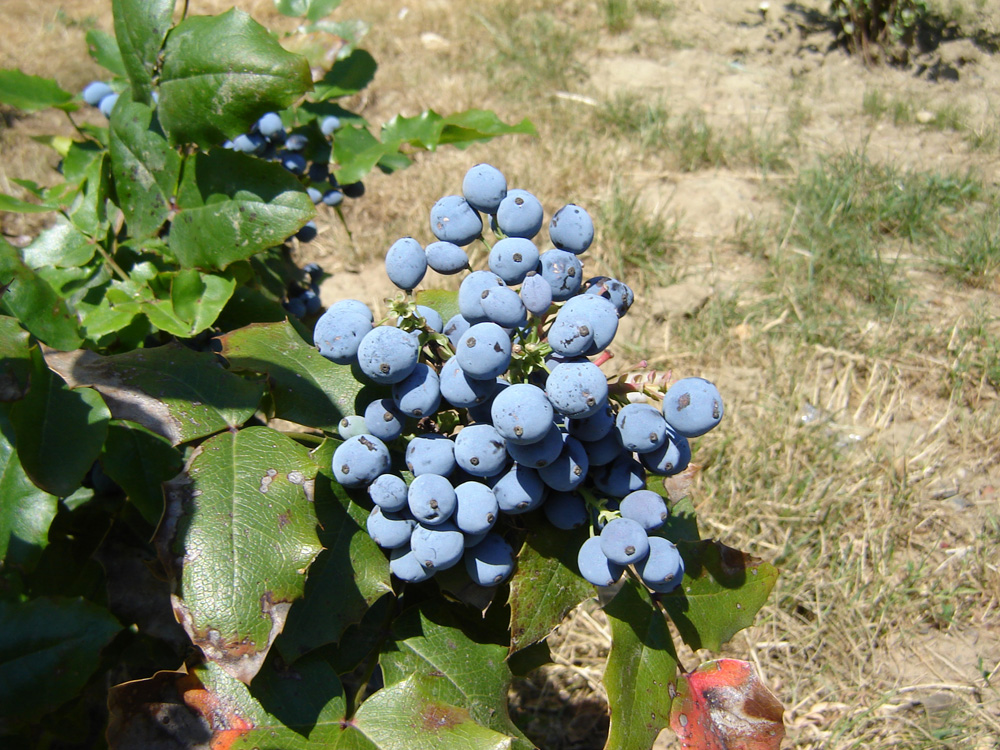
103,48
34,302
62,246
233,206
312,10
545,585
307,388
26,512
140,461
145,168
241,536
457,665
31,93
475,125
141,27
59,431
15,359
641,674
17,206
171,390
347,77
356,152
722,591
351,570
195,301
89,212
48,650
220,74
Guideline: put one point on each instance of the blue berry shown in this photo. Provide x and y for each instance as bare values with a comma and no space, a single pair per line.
616,292
460,390
595,566
594,427
470,294
359,460
663,568
446,257
536,293
387,354
389,492
404,565
107,104
503,306
491,562
431,499
484,186
384,420
519,214
646,508
563,271
572,229
454,220
477,508
432,318
540,453
94,92
522,413
406,263
577,390
624,541
430,454
354,306
484,351
670,458
329,124
419,393
641,427
438,547
293,161
308,232
480,450
455,328
512,258
389,529
352,425
338,335
570,335
519,490
692,406
620,477
569,469
269,124
565,510
601,317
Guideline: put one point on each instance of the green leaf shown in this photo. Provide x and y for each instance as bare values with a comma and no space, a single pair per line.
722,591
34,302
140,462
172,314
220,74
61,246
15,359
356,152
48,650
89,210
31,93
347,77
545,585
445,301
171,390
59,431
307,388
232,206
26,512
145,168
140,27
456,664
313,10
475,125
351,570
17,206
103,48
242,535
641,674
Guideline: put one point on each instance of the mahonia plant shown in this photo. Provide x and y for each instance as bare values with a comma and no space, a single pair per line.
172,522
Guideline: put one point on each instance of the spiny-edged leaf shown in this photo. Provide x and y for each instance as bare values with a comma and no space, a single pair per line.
145,167
26,512
48,650
474,125
140,27
232,206
421,131
194,302
175,392
220,74
348,76
682,523
17,206
240,536
15,359
31,300
722,591
351,570
545,585
457,664
140,462
356,152
62,245
723,705
31,93
641,674
59,431
307,388
313,10
445,301
103,48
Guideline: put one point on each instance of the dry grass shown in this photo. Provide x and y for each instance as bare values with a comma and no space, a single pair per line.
860,451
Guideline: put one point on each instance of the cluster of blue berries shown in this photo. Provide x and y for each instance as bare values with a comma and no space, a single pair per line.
503,409
100,94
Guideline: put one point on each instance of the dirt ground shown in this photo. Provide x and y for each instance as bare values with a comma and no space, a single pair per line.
862,461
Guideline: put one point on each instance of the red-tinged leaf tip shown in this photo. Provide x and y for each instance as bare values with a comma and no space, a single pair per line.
723,705
225,722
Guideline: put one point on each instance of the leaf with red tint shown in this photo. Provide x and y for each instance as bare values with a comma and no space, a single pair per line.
723,705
